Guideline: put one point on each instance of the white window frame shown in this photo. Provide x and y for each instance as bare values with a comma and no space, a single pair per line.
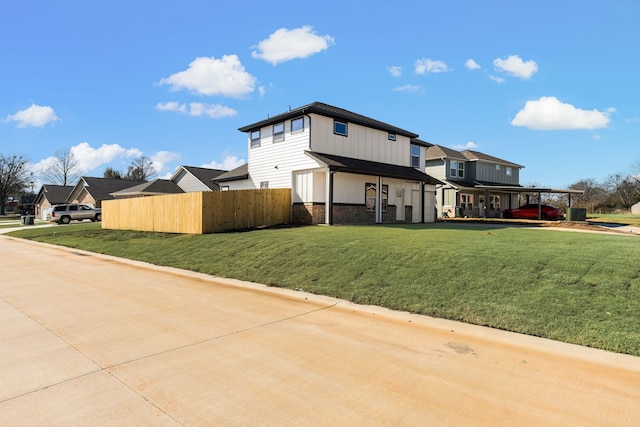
415,156
339,123
466,201
494,202
456,169
370,199
255,136
508,171
295,127
278,132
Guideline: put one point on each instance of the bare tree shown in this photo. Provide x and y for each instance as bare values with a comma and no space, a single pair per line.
63,169
14,178
594,193
112,173
141,169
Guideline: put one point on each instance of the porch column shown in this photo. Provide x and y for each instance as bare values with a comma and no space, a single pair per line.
486,201
328,204
379,201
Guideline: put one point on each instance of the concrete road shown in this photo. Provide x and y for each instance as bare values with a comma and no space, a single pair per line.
92,340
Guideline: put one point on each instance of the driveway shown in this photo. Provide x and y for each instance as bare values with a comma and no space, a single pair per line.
93,340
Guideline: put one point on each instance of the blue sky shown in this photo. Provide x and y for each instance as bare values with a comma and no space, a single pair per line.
551,85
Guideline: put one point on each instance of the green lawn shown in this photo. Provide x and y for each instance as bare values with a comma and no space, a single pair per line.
581,288
615,218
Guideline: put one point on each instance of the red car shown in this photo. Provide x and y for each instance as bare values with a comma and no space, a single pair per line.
532,210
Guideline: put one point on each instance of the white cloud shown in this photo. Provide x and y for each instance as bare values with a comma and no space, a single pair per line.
34,116
229,163
409,88
471,64
161,158
395,70
210,76
426,65
515,66
262,90
89,158
197,109
285,45
468,146
549,113
497,79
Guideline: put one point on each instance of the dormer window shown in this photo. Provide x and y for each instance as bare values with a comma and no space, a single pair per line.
340,128
392,137
457,169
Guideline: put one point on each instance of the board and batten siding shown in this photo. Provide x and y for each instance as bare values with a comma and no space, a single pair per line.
493,172
273,162
361,142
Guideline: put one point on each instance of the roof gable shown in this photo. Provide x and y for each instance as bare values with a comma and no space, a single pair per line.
54,194
101,188
205,175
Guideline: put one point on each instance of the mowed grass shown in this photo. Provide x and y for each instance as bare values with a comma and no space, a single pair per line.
581,288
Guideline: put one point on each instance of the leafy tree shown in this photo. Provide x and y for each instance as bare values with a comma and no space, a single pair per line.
112,173
594,194
141,169
14,178
63,170
623,191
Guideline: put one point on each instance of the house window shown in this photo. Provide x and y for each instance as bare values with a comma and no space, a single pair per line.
370,196
415,156
224,188
498,167
339,128
392,137
264,185
278,132
494,203
509,171
255,138
297,125
466,201
457,169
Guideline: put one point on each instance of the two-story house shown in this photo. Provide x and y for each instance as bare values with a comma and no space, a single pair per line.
342,167
475,184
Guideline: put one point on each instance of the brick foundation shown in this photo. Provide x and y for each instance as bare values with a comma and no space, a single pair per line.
313,214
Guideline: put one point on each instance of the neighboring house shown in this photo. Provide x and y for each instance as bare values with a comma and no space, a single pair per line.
238,178
152,188
635,209
92,191
193,179
48,196
342,167
475,184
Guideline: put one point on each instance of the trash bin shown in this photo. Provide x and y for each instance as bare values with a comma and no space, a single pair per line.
27,219
576,214
458,212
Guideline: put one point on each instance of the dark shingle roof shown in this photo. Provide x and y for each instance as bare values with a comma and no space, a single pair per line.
476,155
55,194
239,173
101,188
329,111
438,152
366,167
158,186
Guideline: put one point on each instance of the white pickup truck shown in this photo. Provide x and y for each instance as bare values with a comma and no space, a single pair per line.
64,214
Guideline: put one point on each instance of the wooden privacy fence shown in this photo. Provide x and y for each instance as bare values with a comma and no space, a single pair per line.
199,213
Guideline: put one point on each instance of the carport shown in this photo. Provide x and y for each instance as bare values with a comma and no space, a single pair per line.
536,190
